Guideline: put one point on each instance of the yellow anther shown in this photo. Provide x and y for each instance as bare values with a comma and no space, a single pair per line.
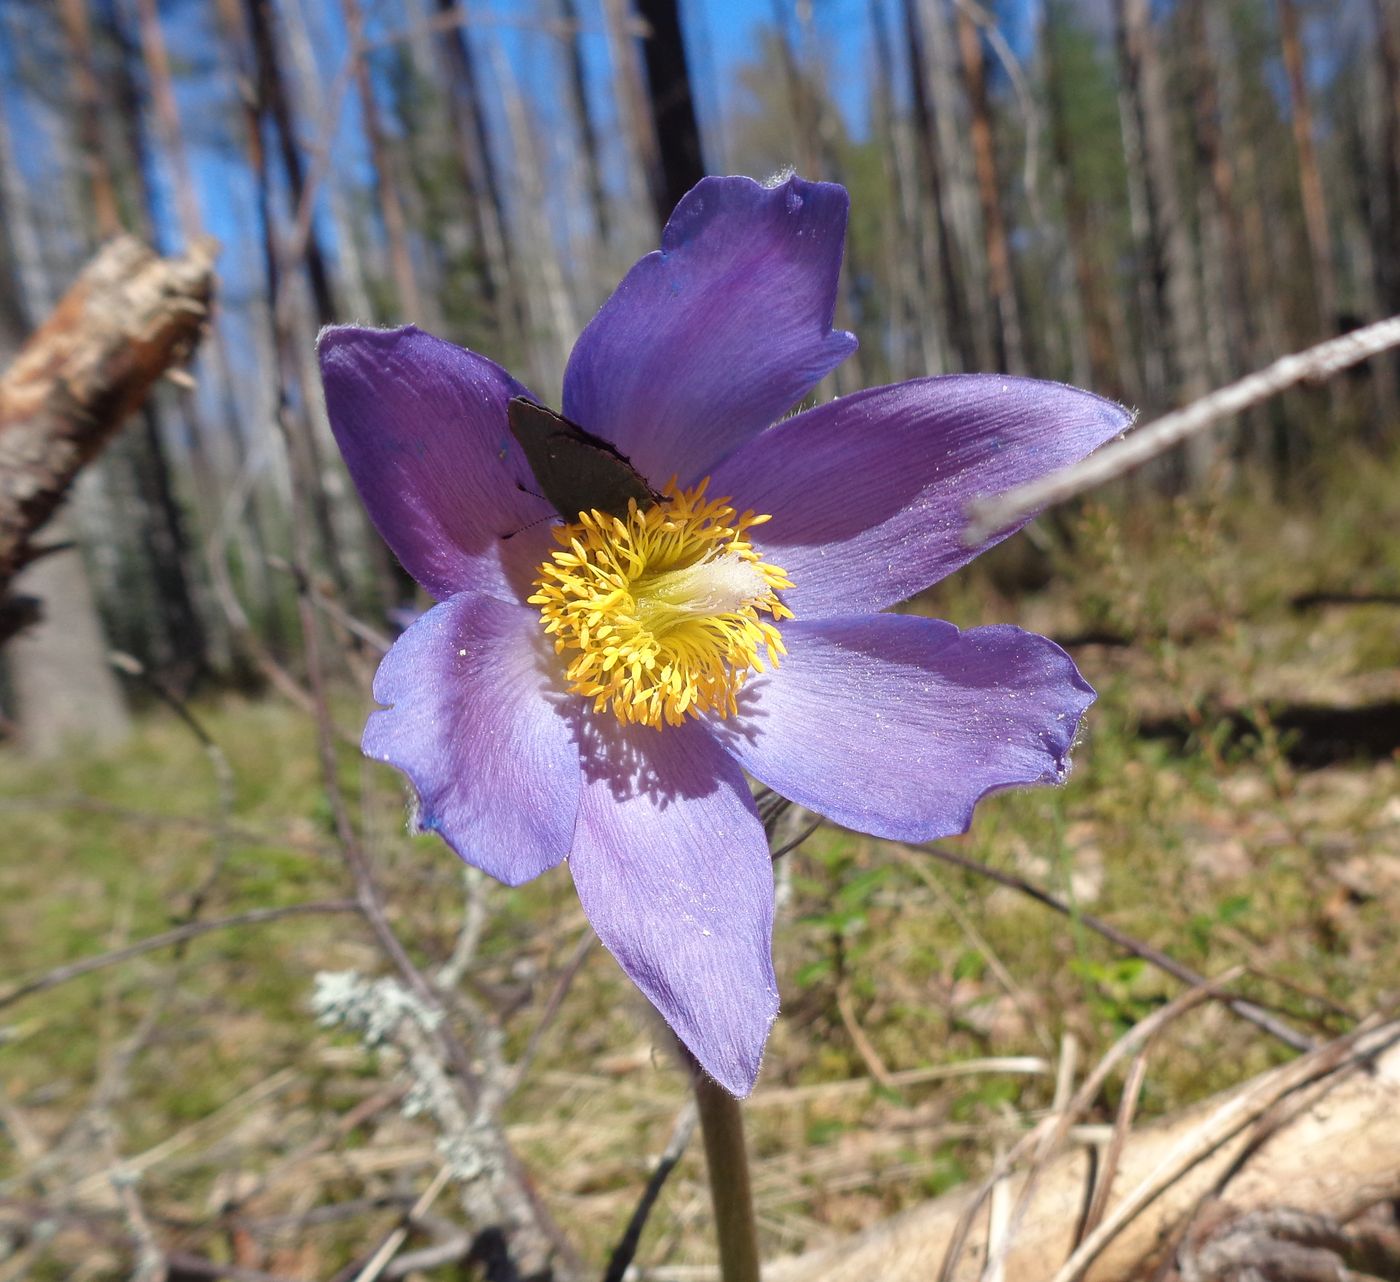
661,613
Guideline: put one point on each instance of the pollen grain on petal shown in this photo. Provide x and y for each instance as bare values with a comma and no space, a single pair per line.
662,614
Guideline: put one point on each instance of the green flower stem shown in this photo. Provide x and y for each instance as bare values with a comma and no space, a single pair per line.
727,1159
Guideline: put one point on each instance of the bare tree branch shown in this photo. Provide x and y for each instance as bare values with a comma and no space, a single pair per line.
1245,1009
1314,364
626,1249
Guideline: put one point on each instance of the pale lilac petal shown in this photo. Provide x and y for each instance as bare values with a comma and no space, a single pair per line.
713,337
422,425
869,493
479,726
672,867
897,725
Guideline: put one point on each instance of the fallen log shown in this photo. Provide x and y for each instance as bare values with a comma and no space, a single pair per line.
127,320
1318,1137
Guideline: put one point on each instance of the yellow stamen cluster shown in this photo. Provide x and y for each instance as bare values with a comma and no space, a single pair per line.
660,613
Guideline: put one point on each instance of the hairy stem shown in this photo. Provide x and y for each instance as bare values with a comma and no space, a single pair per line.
727,1160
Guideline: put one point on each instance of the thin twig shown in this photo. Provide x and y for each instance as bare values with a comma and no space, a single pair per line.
865,1048
376,1264
1025,99
587,940
626,1249
1245,1009
167,938
1316,363
789,846
151,1265
510,1190
241,1106
151,819
975,937
196,1266
427,1258
333,610
1113,1155
220,768
476,887
790,1096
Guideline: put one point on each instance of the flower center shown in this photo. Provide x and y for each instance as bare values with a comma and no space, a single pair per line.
659,613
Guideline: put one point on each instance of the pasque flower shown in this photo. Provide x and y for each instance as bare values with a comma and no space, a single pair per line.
595,689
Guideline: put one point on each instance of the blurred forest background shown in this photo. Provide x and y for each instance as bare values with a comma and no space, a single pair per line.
1144,200
1148,198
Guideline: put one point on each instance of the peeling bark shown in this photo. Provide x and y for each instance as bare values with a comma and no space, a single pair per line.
127,319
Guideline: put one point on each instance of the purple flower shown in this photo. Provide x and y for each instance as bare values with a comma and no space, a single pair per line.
596,692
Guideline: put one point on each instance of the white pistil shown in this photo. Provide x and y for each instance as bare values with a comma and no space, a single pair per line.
719,585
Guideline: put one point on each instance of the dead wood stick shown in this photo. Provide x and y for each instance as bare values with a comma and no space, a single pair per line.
1314,364
128,319
1336,1155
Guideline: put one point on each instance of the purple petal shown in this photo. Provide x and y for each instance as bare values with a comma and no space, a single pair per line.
477,724
869,493
897,725
716,335
422,425
672,867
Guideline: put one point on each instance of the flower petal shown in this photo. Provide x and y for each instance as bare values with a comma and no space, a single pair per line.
672,867
869,493
478,726
713,337
422,425
897,725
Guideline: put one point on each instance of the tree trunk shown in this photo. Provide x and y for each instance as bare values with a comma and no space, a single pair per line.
1172,251
252,37
311,105
92,148
128,318
65,692
583,117
550,306
213,455
62,683
672,107
1145,272
1100,357
918,341
1386,234
267,87
151,537
1226,295
167,115
386,184
641,157
1010,354
62,649
500,265
1309,177
938,224
960,200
